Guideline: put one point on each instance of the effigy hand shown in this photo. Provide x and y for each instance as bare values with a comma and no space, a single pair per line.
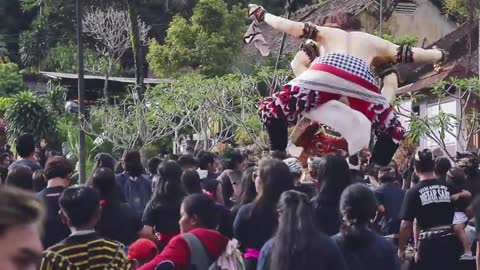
256,13
438,66
311,49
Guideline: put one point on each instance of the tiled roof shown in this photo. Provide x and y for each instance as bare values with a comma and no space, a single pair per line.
428,80
457,45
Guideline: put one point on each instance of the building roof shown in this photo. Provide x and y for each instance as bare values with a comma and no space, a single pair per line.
59,75
429,79
457,45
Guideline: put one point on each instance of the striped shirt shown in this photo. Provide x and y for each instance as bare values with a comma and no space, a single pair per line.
85,252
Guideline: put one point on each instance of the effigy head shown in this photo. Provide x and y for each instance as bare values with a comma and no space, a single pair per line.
317,140
343,20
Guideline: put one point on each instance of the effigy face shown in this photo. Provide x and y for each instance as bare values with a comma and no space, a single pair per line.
316,140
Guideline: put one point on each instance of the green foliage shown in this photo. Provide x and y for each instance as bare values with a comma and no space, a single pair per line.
56,98
208,43
66,123
70,150
278,6
29,113
404,40
63,58
456,8
443,127
220,106
5,102
33,45
268,79
11,81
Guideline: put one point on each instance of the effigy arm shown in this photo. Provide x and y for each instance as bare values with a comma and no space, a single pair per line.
293,28
409,54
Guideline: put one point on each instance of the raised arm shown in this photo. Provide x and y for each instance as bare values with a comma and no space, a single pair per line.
293,28
408,54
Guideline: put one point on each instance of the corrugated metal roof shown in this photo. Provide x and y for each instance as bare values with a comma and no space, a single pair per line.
74,76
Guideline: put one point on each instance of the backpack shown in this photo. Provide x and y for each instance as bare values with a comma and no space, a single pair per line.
231,258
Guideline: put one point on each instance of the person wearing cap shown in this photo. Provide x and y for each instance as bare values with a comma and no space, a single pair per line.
430,202
295,168
141,251
58,172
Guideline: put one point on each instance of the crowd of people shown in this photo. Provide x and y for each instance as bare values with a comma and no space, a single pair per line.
230,211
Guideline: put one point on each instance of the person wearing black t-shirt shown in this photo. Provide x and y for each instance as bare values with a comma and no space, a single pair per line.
58,171
430,202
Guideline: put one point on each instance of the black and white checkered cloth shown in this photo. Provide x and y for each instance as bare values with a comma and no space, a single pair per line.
349,64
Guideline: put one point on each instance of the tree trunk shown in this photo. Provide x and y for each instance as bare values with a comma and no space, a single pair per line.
136,46
105,86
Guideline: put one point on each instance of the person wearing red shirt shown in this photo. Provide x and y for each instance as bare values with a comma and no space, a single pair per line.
199,216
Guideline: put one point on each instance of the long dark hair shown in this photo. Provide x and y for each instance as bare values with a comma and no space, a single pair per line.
169,190
275,178
357,206
103,179
333,180
247,187
295,245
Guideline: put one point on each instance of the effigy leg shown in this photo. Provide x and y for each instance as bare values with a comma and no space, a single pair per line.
285,107
389,132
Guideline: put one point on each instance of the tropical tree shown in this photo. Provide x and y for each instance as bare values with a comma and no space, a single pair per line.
63,58
207,43
4,104
112,31
11,81
28,113
132,123
443,127
212,109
